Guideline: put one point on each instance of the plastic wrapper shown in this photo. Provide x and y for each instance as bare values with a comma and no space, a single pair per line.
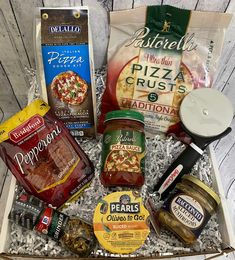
25,210
64,55
155,59
43,156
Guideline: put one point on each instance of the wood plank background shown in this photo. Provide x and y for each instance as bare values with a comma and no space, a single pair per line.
17,52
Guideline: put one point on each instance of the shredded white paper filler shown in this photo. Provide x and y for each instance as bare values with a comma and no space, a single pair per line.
160,154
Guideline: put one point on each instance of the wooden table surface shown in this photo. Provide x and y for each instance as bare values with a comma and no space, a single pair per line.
17,52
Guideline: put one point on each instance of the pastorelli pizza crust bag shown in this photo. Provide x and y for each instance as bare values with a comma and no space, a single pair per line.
158,54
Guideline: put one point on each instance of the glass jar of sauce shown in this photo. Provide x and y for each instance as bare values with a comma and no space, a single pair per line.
123,149
188,209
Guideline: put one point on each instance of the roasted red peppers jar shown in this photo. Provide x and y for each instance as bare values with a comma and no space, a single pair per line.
123,149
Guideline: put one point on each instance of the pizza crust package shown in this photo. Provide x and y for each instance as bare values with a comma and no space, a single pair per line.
155,59
64,57
43,156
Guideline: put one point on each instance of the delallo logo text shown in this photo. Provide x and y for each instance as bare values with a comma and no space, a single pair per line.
27,128
64,29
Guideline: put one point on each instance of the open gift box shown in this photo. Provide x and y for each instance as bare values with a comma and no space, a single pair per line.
224,221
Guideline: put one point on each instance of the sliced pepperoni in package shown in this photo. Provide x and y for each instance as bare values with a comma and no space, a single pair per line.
43,156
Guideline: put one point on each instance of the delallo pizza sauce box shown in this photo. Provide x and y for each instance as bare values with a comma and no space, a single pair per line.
65,65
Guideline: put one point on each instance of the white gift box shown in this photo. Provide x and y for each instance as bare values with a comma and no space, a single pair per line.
225,225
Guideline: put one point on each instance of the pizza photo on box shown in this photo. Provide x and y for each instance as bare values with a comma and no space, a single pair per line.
69,88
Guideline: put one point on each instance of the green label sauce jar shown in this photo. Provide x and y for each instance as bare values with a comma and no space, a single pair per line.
123,149
188,209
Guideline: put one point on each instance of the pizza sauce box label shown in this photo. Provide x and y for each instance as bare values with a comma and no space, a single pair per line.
155,59
43,156
121,222
67,75
51,223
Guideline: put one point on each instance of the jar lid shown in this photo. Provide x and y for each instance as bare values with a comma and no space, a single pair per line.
203,186
124,114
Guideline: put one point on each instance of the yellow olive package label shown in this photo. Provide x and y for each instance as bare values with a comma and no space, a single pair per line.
121,222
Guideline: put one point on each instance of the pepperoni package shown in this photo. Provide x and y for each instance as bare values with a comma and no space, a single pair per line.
43,156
